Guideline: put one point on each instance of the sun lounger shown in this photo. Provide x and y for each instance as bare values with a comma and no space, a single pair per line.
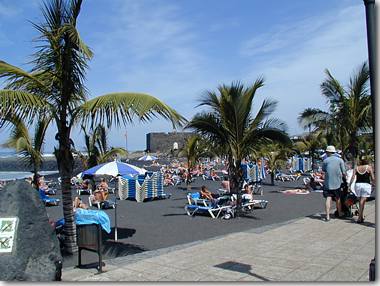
48,201
107,204
197,204
84,192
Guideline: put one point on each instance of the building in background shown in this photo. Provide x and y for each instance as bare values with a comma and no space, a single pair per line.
166,142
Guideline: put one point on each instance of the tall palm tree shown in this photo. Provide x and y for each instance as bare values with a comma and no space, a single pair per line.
55,87
230,123
349,111
194,149
30,148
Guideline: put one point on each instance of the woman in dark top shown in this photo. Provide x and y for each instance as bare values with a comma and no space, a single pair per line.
363,185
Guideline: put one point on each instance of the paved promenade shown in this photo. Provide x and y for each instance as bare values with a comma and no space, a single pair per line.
305,249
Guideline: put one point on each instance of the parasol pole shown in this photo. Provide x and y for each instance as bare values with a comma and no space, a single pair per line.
116,193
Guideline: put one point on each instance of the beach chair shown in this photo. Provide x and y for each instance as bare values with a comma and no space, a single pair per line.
249,205
84,192
107,204
197,204
48,201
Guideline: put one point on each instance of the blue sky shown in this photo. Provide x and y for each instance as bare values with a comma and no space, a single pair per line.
176,49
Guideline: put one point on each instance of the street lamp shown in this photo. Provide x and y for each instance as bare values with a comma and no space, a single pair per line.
371,42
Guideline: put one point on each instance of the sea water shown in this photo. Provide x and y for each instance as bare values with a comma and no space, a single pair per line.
14,175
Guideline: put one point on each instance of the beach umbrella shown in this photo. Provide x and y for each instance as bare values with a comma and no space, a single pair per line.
147,158
115,168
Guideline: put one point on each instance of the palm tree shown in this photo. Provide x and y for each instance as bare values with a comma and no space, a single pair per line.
194,149
55,87
276,156
97,147
311,143
349,111
21,141
231,124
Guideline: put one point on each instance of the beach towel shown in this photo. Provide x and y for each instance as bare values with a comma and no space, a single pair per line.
83,216
295,192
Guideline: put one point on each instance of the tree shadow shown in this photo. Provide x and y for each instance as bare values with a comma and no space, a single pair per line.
179,199
240,267
183,214
248,216
185,188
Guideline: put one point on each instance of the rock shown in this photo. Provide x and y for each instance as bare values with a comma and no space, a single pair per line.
35,254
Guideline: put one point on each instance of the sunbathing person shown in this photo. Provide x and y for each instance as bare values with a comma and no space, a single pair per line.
247,193
226,185
85,185
98,196
214,176
43,187
77,203
206,194
103,185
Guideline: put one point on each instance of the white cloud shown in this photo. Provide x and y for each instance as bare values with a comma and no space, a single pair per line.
294,70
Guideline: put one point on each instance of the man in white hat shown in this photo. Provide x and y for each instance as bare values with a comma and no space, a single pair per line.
334,170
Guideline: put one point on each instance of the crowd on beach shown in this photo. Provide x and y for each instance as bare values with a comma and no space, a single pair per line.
334,182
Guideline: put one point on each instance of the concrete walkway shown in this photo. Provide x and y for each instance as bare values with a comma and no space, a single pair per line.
305,249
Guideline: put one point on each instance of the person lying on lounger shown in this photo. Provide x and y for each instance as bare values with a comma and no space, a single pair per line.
103,185
247,193
77,203
206,194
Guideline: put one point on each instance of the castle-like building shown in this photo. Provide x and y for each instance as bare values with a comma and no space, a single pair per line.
166,142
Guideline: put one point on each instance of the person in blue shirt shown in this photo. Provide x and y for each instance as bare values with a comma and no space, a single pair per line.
334,170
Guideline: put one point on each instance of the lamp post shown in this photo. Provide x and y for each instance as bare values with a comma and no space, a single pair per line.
371,42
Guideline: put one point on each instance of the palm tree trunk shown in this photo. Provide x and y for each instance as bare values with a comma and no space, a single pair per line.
65,165
236,182
272,177
188,179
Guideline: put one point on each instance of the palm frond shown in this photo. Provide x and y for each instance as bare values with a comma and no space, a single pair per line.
12,73
117,108
110,154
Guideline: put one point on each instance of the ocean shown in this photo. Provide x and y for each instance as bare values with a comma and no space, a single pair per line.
15,175
12,169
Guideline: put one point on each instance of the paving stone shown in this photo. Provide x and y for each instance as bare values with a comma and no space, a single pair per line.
305,250
338,273
309,272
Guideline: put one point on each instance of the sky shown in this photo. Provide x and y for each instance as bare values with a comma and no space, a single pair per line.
176,50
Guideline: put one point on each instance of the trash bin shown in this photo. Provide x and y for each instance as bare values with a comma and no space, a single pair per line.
89,237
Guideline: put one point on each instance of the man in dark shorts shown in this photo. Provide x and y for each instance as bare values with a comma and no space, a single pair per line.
334,170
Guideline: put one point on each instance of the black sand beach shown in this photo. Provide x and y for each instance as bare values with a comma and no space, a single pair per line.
162,223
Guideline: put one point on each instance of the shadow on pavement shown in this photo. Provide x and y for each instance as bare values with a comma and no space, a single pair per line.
121,233
113,249
365,223
240,267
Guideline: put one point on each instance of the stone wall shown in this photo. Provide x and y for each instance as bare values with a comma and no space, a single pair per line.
163,142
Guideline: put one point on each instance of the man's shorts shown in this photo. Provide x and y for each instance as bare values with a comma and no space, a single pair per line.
332,193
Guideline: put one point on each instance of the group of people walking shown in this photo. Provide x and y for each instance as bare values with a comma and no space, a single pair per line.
335,174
